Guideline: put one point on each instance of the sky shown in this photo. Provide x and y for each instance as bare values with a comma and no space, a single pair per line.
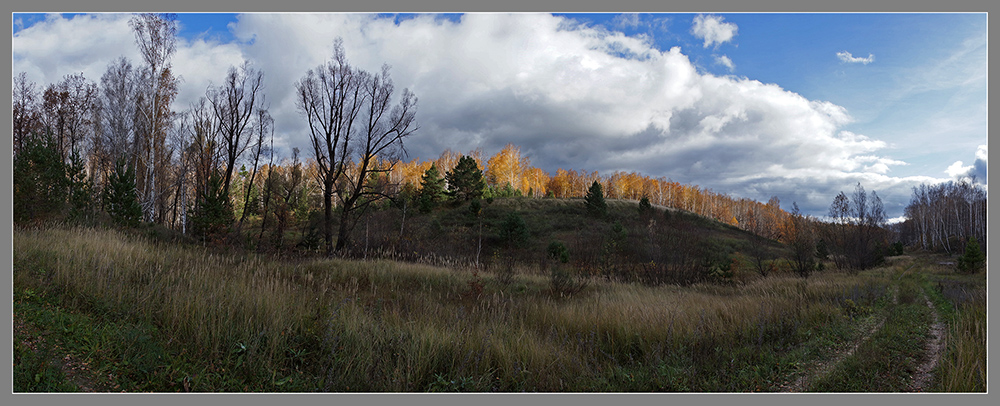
798,106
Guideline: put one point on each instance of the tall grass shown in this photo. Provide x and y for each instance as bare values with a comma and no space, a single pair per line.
384,326
963,368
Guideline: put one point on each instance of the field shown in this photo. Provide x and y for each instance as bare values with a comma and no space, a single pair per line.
103,310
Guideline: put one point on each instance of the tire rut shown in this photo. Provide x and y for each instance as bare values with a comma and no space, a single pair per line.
819,369
924,378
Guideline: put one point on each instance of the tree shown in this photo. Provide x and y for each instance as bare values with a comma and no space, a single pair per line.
25,117
857,238
120,197
596,206
644,206
506,168
465,181
263,126
973,260
40,182
156,38
802,240
213,215
513,231
431,189
116,102
234,104
335,98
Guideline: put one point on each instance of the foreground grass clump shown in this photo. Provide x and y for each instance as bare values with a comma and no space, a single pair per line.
226,323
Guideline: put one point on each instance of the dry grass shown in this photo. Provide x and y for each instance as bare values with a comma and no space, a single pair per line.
388,326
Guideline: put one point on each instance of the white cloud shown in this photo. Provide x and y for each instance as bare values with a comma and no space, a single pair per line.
847,57
977,170
630,20
713,30
725,61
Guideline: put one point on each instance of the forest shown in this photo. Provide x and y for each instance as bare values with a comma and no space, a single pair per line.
315,248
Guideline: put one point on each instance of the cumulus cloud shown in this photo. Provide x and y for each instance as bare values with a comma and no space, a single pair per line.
725,61
713,30
58,46
976,171
847,57
571,95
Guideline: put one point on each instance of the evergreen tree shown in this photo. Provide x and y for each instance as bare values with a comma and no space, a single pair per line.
513,231
596,206
120,196
40,182
465,182
973,259
431,189
80,197
213,214
644,205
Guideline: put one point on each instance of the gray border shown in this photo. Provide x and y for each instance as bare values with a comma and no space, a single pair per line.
457,6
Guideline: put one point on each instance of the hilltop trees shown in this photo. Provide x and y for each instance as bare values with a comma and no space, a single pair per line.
596,206
431,189
465,182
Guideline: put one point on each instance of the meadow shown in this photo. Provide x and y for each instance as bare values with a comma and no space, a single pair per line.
140,314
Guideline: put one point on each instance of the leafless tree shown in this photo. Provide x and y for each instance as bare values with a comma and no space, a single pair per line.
263,126
26,117
234,104
351,119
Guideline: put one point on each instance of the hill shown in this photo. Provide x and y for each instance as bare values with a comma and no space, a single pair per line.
653,246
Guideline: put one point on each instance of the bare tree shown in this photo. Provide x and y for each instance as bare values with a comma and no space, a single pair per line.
234,104
25,118
263,126
332,97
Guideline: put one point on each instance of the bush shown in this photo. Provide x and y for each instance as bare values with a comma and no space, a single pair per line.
645,206
558,251
513,231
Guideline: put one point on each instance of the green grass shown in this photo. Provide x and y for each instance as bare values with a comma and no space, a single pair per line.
887,360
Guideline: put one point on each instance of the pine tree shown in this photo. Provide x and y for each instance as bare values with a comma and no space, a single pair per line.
213,214
431,189
465,182
596,206
40,182
973,259
120,196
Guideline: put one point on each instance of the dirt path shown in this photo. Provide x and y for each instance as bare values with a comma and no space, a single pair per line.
923,378
820,369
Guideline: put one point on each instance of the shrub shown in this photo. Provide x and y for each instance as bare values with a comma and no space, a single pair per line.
644,205
513,231
558,251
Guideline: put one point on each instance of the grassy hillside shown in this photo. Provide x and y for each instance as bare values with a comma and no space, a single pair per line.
655,246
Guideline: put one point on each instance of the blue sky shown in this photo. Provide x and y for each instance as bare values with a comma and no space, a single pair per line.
800,106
